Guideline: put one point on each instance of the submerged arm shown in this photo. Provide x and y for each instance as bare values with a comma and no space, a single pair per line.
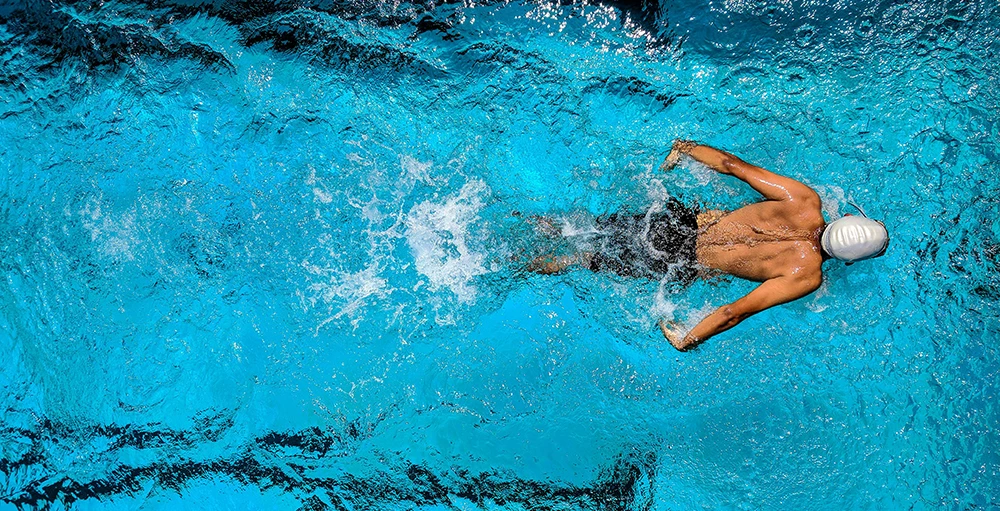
772,186
772,292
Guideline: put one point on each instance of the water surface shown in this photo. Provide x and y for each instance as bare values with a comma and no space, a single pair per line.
266,256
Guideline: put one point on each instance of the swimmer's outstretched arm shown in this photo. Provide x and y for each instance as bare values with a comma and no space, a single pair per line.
772,186
772,292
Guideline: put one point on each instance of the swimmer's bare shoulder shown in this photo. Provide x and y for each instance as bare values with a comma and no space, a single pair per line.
797,201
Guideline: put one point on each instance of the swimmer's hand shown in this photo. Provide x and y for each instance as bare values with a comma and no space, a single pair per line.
680,148
672,331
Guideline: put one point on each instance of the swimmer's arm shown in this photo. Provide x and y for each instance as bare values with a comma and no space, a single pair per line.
772,292
772,186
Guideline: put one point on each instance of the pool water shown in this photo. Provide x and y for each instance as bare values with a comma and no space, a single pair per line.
270,256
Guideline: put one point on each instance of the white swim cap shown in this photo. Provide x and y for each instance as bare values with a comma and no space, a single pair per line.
853,238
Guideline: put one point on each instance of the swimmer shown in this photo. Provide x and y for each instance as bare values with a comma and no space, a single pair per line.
780,242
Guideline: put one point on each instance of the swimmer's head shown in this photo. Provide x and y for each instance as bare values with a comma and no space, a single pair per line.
854,238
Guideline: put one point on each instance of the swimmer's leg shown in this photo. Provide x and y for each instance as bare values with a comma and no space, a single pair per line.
550,264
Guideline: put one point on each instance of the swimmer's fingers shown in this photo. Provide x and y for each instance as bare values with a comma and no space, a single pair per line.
671,331
680,148
671,327
670,161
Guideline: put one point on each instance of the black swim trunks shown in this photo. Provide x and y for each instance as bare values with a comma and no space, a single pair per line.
649,246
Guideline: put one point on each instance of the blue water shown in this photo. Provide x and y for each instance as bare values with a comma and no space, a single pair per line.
267,256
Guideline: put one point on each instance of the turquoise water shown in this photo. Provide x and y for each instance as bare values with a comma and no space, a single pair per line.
266,256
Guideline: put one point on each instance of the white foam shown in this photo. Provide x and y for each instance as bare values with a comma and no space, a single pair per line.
576,225
817,303
832,197
681,176
667,310
438,232
663,308
319,189
417,170
695,317
322,195
114,235
702,173
345,292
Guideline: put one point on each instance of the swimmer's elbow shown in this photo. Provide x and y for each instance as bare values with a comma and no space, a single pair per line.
815,282
729,165
808,284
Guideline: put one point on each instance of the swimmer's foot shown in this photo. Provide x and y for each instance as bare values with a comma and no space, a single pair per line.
550,264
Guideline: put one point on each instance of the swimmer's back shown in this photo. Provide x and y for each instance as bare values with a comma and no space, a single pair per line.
763,241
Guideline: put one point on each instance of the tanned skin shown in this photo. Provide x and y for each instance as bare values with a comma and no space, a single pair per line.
774,242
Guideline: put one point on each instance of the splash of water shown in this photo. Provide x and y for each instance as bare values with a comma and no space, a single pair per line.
438,237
